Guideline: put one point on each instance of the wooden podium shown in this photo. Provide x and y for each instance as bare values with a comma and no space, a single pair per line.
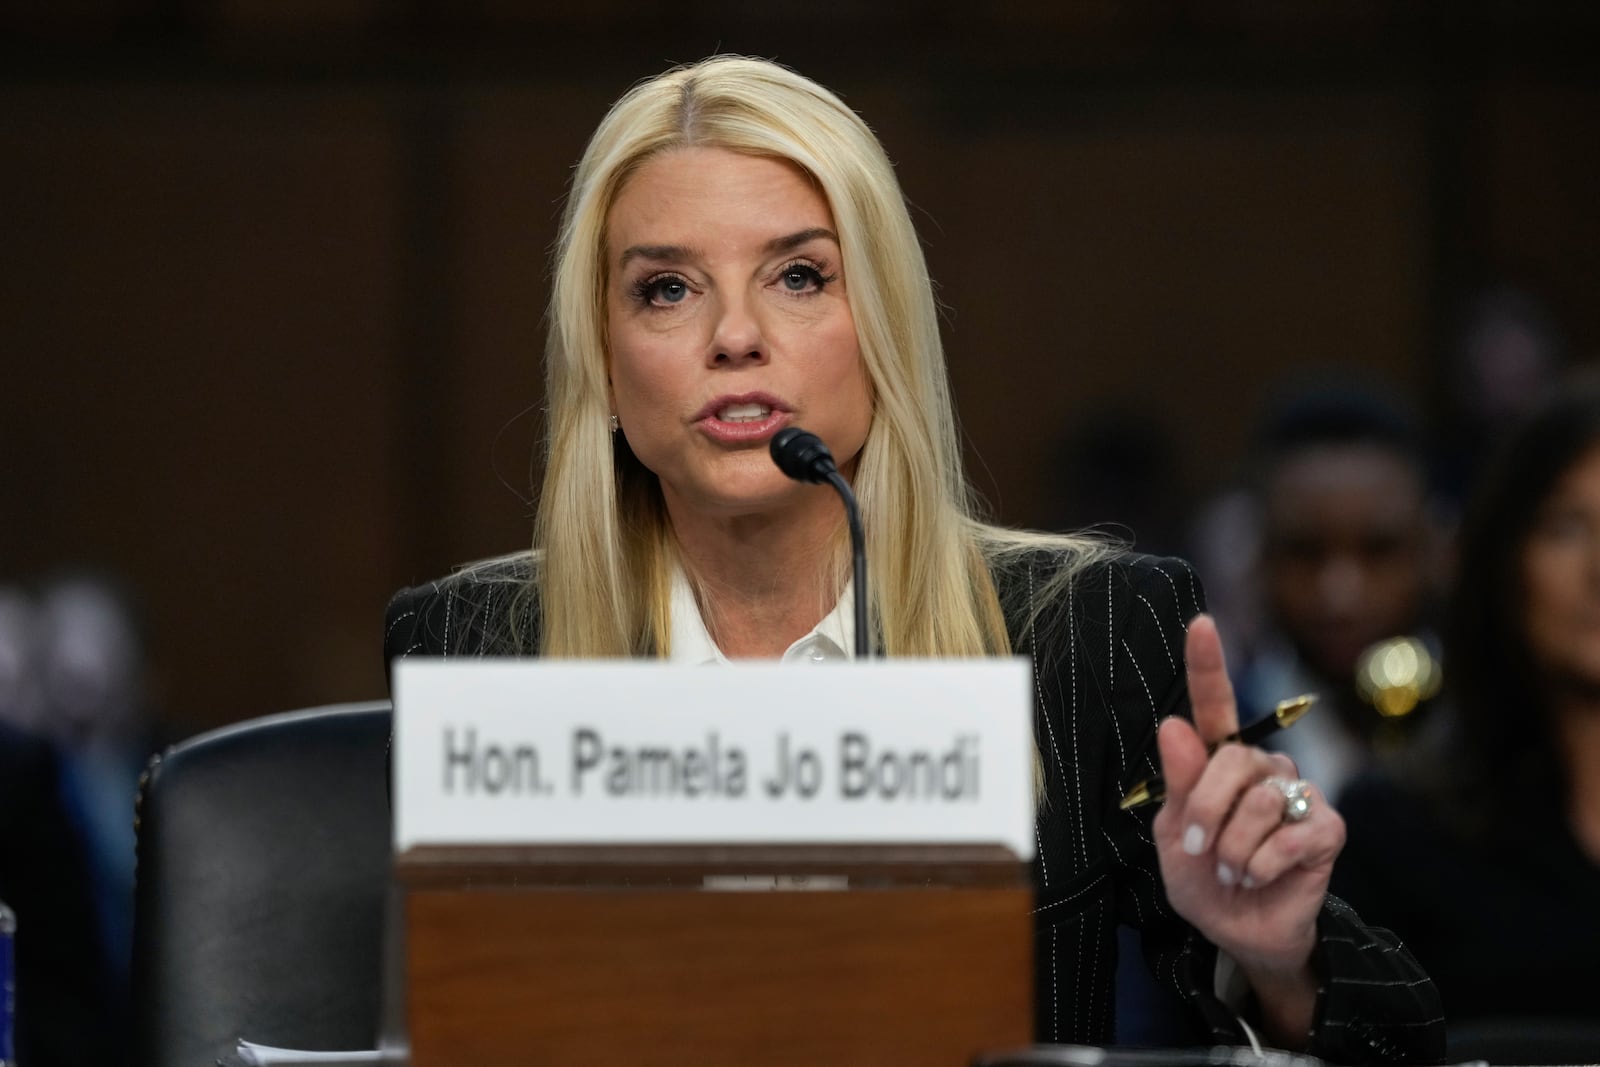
725,956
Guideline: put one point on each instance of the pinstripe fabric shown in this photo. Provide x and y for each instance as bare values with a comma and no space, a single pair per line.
1108,666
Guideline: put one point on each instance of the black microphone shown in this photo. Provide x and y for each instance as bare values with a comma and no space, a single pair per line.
803,457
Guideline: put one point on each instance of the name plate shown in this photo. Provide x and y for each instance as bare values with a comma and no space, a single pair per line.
632,752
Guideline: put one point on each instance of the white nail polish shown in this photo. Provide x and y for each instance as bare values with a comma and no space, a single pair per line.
1247,882
1224,874
1194,840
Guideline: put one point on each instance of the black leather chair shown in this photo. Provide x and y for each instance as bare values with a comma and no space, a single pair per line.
263,867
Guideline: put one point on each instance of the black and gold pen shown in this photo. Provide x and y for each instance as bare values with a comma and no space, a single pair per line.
1154,790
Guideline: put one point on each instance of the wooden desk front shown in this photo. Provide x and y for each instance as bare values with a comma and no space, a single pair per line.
589,957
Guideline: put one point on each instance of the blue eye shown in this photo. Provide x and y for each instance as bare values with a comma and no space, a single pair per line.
669,290
801,278
664,290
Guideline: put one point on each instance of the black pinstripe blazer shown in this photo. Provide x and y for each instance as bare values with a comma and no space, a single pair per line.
1107,667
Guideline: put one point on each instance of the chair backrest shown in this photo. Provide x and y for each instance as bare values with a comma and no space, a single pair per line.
263,866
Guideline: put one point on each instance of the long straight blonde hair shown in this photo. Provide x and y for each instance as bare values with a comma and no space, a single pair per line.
602,546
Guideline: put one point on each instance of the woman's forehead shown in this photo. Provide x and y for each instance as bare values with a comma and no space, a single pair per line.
683,189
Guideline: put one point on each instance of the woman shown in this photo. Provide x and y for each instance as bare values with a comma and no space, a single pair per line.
1486,849
735,257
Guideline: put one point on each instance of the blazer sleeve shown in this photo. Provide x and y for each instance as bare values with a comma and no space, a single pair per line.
1375,1003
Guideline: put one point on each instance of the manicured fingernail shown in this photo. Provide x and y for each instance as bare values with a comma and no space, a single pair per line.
1224,874
1194,840
1247,882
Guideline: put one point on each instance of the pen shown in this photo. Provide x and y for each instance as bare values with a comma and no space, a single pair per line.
1154,790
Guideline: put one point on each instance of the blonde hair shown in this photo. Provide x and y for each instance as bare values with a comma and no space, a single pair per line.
603,549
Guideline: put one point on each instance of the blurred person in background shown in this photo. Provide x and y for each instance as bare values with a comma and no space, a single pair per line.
1351,554
95,707
1482,846
63,999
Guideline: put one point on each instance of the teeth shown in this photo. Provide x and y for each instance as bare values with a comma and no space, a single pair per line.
744,412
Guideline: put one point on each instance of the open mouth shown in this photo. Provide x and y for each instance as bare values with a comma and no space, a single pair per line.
743,420
743,413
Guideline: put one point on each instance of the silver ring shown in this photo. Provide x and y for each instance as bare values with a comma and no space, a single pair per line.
1296,797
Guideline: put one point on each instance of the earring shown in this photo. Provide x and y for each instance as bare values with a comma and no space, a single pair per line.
615,425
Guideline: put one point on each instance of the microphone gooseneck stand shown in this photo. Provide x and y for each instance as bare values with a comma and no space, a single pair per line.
802,456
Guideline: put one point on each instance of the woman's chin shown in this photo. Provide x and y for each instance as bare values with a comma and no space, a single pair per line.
744,496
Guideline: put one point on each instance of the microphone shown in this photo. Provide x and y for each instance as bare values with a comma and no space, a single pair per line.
803,457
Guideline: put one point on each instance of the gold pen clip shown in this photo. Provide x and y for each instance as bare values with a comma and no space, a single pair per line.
1290,711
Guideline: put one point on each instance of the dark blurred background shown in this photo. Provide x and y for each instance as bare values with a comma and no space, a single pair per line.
274,271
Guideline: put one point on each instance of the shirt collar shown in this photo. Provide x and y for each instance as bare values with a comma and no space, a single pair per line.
829,640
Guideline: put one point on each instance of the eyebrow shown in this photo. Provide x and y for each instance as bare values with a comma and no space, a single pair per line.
795,240
668,253
660,253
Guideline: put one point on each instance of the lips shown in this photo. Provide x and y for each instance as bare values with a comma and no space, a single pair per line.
743,418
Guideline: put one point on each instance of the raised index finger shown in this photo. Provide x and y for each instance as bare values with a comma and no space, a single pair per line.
1216,715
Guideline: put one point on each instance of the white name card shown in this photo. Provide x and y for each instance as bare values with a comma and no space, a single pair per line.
630,752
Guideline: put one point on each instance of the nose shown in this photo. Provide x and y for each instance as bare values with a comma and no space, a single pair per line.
737,336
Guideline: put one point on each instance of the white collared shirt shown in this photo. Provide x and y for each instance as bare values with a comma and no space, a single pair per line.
830,640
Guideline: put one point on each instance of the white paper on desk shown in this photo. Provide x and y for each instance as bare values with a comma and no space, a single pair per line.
254,1055
628,752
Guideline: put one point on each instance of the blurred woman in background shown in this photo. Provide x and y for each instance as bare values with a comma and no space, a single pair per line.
1484,847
